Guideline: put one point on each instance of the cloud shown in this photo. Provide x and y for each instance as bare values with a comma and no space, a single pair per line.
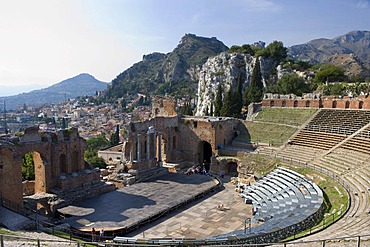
363,4
261,5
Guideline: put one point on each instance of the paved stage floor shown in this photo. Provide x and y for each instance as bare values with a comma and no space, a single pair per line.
125,207
201,219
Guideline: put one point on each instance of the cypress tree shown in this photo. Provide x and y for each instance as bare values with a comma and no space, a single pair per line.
218,101
254,92
226,109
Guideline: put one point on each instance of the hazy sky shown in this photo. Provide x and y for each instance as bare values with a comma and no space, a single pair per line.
46,41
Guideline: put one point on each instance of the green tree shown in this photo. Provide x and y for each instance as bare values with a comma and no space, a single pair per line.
96,161
97,143
93,145
337,89
329,73
292,83
28,167
218,101
227,104
254,92
114,140
186,109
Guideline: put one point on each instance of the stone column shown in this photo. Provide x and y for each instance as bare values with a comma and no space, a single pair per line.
160,148
154,144
131,153
148,145
138,148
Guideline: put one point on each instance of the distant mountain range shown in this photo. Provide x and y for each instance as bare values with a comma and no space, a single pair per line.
160,73
178,72
80,85
350,51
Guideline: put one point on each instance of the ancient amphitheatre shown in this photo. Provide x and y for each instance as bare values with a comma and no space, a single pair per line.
334,142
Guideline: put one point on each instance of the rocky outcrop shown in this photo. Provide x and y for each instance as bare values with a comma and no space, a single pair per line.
226,69
159,73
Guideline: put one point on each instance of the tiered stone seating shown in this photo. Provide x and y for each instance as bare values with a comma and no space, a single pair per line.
349,161
340,161
299,153
317,139
329,127
282,198
343,122
360,142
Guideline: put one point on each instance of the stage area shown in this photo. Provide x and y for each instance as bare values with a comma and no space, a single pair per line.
129,207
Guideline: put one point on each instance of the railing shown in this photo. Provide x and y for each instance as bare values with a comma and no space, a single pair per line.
11,240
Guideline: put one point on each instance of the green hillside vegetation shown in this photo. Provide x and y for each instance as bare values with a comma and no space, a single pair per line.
160,74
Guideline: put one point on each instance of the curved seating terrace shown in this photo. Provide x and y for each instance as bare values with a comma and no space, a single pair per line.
281,199
338,141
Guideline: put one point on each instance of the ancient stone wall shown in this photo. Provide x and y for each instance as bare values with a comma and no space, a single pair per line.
163,107
317,102
55,154
177,139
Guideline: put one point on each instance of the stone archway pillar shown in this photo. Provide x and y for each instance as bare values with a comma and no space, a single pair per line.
160,148
154,144
148,146
138,148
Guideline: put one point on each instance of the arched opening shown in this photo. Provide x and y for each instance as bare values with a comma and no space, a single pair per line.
232,169
360,105
63,163
283,104
347,105
295,104
75,161
174,142
205,154
272,103
33,173
307,103
334,104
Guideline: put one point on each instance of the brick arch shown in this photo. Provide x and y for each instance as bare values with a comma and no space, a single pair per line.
48,149
205,151
226,165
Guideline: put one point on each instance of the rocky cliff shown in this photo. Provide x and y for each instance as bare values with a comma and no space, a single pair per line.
160,73
226,69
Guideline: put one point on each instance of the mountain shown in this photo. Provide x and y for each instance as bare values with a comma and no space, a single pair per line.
355,43
160,73
80,85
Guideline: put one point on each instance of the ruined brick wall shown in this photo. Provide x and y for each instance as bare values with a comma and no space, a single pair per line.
163,107
54,153
330,102
181,139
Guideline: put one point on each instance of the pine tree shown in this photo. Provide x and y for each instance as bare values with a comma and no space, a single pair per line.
211,110
218,101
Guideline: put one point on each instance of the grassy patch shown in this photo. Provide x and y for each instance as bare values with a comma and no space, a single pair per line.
291,116
6,232
257,164
273,134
